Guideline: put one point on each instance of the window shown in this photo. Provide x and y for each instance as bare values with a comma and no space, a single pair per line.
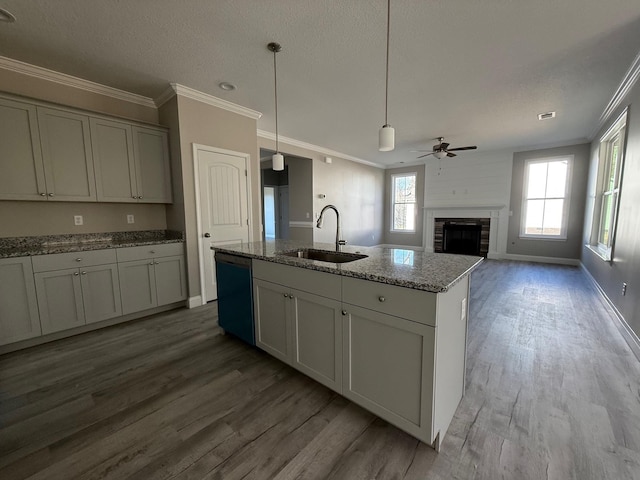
546,198
610,173
403,208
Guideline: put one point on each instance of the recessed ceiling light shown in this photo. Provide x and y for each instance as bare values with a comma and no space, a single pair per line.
546,116
227,86
6,16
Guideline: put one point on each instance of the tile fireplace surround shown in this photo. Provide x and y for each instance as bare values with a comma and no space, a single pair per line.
497,215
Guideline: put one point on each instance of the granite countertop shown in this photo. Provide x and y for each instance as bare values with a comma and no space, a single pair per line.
47,244
432,272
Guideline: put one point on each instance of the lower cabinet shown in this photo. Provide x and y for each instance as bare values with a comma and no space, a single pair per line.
76,296
388,368
300,329
152,283
19,319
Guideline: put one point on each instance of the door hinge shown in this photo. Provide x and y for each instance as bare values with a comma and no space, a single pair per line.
246,174
247,221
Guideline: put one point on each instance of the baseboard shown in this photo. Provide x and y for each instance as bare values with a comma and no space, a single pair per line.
535,258
403,247
194,302
623,327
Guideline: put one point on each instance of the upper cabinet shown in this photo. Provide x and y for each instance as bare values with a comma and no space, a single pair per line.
65,155
131,162
21,169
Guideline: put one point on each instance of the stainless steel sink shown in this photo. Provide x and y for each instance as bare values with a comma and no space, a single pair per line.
325,255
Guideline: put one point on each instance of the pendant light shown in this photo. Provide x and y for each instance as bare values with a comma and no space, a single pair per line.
387,134
277,158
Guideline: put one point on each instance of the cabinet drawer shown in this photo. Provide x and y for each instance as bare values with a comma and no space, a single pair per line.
312,281
415,305
129,254
59,261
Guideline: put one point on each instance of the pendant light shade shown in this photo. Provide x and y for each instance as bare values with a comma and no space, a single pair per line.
386,138
387,134
278,162
277,159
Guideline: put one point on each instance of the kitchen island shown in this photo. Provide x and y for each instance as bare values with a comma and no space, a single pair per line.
387,331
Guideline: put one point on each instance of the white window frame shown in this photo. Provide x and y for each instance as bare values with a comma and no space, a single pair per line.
617,130
565,206
393,202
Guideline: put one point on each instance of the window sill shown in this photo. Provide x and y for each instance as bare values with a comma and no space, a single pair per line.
605,256
542,237
403,231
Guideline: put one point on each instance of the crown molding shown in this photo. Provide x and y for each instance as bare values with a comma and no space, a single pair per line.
316,148
628,82
71,81
177,89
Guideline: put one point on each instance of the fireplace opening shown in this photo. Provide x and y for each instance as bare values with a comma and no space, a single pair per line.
461,239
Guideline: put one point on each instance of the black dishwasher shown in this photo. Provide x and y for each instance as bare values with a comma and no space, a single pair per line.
235,296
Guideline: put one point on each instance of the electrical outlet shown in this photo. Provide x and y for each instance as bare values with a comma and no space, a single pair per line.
463,313
130,219
78,220
624,289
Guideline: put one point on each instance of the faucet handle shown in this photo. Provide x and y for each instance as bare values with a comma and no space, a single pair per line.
342,242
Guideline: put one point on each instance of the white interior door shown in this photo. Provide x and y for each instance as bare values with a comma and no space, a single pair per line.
224,213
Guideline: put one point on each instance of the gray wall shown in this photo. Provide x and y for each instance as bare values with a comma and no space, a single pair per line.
625,266
572,246
409,239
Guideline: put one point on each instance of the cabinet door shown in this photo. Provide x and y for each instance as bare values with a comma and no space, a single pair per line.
388,368
59,300
137,286
21,170
271,304
151,150
317,338
66,152
112,147
19,318
100,292
171,282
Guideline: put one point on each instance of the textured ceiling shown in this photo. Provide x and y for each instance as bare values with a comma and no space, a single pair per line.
474,71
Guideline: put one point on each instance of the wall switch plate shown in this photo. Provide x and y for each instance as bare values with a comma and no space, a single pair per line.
463,312
130,219
624,289
78,220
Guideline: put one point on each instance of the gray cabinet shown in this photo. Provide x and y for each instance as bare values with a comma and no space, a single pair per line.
100,292
131,162
19,319
21,168
59,300
66,154
151,276
298,327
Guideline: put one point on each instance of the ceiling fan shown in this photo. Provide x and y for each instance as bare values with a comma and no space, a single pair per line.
442,150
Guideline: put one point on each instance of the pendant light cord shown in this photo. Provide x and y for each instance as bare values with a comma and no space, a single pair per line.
386,94
275,83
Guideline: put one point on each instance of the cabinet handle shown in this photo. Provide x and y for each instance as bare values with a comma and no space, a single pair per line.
78,259
286,296
51,194
76,273
150,263
152,251
84,273
381,299
43,194
140,197
344,312
134,196
156,263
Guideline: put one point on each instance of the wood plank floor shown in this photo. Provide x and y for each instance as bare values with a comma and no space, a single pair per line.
553,392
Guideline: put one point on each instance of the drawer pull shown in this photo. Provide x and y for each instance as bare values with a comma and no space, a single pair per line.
150,263
286,296
156,263
344,312
381,298
51,194
152,251
76,273
84,273
78,259
43,194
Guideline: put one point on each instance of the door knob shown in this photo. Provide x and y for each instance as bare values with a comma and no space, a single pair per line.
207,235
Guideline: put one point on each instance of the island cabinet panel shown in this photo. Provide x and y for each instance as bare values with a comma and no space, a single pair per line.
66,152
388,368
272,323
21,168
59,300
19,319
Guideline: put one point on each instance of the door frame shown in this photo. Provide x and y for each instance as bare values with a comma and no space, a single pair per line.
196,147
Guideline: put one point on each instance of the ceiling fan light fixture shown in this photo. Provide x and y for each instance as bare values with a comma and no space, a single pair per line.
386,138
440,154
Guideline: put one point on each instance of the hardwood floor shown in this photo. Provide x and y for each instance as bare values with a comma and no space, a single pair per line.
553,392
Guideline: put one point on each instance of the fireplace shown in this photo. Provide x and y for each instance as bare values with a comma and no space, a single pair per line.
465,236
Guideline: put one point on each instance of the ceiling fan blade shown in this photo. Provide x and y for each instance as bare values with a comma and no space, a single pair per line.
451,154
425,155
463,148
442,146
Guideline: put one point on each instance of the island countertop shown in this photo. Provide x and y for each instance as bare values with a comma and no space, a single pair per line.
432,272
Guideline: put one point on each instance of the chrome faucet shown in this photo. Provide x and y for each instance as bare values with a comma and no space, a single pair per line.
339,242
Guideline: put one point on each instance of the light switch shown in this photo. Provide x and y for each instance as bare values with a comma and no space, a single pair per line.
78,220
130,219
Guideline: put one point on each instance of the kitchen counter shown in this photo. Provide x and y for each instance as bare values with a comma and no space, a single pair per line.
47,244
432,272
